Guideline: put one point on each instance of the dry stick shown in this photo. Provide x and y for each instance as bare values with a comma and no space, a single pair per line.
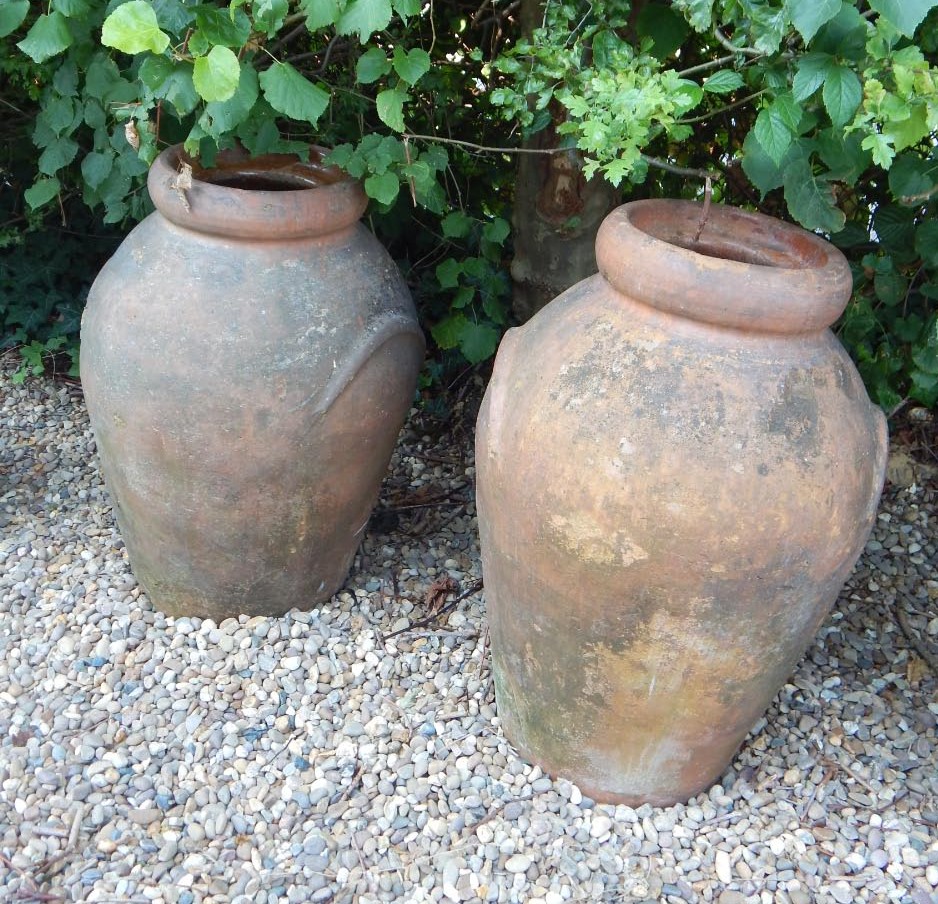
708,194
656,162
902,616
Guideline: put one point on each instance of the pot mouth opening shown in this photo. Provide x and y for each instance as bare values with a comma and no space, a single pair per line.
235,169
731,235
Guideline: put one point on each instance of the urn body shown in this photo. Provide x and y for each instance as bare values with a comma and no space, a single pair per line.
677,467
248,357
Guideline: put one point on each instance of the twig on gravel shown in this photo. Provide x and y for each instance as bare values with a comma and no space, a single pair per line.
830,761
913,637
828,774
439,613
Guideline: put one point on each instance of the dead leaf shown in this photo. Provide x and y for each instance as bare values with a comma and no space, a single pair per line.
916,670
182,182
132,135
438,591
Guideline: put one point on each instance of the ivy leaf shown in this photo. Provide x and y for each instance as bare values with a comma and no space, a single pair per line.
292,94
371,65
383,188
478,341
216,26
12,15
809,15
446,333
96,167
447,273
456,225
269,15
842,94
365,17
723,82
413,64
390,104
905,15
320,13
172,81
132,28
811,200
216,75
57,154
48,36
42,192
812,69
496,230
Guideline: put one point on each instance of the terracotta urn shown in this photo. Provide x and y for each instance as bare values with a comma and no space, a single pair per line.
248,357
678,466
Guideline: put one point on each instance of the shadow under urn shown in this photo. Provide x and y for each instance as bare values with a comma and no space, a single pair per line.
249,355
677,467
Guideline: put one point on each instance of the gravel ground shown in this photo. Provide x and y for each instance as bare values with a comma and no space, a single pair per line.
310,758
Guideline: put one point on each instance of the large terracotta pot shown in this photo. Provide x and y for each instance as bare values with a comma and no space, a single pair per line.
248,357
678,466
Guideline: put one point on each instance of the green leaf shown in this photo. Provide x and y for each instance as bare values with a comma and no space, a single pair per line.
57,154
844,36
890,287
447,273
926,242
463,296
880,147
42,192
812,68
811,200
698,12
48,36
842,94
723,82
372,65
911,176
773,135
478,341
407,8
364,17
320,13
96,167
133,28
905,15
809,15
269,15
496,231
292,94
12,15
456,225
383,188
761,170
71,8
412,64
173,15
667,28
390,105
217,26
170,80
65,80
220,118
216,76
446,333
894,226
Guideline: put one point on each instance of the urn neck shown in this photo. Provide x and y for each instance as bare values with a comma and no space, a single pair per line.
273,197
743,270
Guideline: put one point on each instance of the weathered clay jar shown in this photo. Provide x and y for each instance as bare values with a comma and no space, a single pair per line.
248,357
677,468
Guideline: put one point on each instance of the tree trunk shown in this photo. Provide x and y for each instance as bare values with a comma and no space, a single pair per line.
556,212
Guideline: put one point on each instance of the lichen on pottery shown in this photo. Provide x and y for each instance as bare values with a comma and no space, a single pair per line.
678,466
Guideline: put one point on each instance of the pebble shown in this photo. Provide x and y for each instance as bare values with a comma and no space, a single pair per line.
298,759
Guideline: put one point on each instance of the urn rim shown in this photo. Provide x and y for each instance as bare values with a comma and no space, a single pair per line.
744,270
271,197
